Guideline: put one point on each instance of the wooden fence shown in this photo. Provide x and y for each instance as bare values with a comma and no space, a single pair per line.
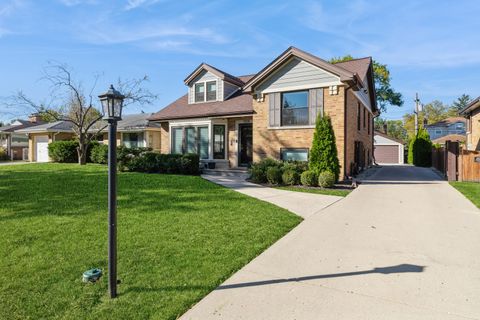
455,163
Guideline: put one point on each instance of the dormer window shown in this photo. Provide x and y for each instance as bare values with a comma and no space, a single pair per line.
211,92
199,92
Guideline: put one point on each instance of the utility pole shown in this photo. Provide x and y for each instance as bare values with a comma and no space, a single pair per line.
417,105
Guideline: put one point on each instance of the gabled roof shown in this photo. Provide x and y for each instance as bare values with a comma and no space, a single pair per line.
474,104
23,124
386,136
446,122
450,137
219,73
359,66
57,126
129,122
238,104
342,73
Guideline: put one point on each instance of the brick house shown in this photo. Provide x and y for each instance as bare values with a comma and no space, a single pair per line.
232,121
472,113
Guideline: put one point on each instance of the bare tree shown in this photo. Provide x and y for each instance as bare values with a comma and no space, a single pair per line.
71,103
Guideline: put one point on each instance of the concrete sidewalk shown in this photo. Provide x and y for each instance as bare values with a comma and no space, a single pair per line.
404,245
300,203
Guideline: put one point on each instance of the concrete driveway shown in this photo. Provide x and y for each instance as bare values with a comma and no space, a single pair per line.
404,245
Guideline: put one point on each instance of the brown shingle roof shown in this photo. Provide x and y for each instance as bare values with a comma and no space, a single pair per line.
382,134
219,73
450,137
238,103
359,66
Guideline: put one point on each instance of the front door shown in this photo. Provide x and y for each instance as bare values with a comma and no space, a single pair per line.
245,143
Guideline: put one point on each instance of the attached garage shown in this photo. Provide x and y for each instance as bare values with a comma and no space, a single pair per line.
41,148
388,150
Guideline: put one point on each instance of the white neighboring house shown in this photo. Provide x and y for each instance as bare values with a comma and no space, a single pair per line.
388,150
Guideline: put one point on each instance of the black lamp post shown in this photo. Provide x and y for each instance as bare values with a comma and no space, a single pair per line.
112,103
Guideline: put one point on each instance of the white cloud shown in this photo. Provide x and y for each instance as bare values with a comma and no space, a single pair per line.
71,3
133,4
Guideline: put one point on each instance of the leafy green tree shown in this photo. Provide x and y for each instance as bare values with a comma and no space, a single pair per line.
49,114
323,155
395,128
421,148
432,112
386,95
459,104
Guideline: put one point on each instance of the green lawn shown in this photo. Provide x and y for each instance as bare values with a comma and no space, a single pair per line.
471,190
179,237
329,192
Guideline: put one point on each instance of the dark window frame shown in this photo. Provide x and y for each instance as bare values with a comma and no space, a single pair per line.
184,140
217,155
207,83
282,108
195,94
282,150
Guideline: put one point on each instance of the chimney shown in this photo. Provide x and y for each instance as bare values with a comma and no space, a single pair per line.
35,117
385,127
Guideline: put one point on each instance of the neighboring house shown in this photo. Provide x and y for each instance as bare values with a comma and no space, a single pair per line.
232,121
472,114
454,125
388,150
133,131
16,144
450,137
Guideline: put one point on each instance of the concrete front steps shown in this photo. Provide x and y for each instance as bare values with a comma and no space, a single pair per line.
236,172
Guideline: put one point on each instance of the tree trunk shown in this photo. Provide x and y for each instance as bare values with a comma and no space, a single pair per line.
82,150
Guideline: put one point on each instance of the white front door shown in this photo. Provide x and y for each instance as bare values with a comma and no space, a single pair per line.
41,147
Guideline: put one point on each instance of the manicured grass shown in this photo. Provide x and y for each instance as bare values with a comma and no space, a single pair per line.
178,238
329,192
471,190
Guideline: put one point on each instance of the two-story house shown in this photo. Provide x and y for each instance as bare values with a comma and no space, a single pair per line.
234,120
449,126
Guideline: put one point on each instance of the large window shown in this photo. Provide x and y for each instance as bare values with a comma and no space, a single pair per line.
295,108
199,92
190,140
133,140
212,91
294,154
219,142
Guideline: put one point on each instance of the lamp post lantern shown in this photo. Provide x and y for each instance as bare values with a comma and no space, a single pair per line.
112,103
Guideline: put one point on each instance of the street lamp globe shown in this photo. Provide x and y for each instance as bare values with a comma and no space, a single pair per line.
112,104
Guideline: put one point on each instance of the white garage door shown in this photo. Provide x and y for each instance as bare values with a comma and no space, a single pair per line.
41,147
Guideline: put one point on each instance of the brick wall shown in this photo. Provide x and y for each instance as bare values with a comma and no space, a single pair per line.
473,138
232,139
268,142
342,108
164,138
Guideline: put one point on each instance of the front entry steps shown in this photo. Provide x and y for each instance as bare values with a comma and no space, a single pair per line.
234,172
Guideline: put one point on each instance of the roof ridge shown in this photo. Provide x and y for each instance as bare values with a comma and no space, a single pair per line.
353,59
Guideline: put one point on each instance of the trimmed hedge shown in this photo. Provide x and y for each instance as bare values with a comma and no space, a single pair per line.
154,162
99,154
290,177
326,179
323,155
3,154
274,175
309,178
63,151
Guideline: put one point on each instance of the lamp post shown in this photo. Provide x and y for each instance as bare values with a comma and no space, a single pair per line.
112,103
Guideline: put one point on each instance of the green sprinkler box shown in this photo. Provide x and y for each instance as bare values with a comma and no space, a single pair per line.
92,275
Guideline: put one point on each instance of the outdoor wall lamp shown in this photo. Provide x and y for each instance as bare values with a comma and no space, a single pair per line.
112,104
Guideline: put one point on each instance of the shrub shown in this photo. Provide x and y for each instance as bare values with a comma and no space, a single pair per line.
142,160
63,151
290,177
422,149
326,179
323,155
99,153
126,155
410,151
274,175
3,154
297,166
258,171
309,178
189,163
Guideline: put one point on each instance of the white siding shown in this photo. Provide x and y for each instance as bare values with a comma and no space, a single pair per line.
298,73
202,77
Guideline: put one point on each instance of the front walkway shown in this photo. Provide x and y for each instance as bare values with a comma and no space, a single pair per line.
404,245
300,203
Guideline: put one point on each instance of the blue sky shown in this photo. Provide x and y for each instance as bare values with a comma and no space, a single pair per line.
431,47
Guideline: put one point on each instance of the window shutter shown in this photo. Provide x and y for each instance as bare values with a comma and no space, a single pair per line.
315,104
274,109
